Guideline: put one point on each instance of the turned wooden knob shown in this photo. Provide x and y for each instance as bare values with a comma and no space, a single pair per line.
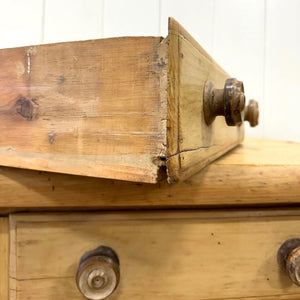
288,258
228,102
252,113
98,273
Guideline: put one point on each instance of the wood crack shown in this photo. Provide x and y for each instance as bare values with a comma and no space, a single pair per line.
189,150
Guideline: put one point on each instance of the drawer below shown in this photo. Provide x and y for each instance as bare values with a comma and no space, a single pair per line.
163,255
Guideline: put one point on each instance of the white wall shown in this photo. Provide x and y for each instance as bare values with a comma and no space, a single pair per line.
257,41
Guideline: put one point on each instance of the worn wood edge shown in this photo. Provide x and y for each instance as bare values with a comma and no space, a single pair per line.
63,163
4,257
163,58
85,40
173,100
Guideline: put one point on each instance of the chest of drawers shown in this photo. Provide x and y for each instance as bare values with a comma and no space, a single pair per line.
215,236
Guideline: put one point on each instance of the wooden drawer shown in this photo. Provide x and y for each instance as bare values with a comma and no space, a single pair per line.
127,108
163,255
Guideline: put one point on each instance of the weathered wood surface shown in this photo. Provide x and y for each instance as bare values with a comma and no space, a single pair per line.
192,144
194,255
95,108
120,108
259,172
4,249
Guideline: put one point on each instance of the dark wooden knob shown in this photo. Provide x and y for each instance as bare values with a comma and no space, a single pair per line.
98,274
228,102
252,113
288,258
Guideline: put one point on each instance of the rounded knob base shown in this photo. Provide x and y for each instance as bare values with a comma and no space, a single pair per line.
98,273
288,258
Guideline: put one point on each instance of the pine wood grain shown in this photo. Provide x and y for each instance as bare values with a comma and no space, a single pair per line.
4,254
260,172
195,255
91,108
191,143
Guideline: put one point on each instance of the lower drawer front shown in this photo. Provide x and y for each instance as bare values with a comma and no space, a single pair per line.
163,255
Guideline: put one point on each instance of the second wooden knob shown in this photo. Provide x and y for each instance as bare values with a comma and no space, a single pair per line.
98,273
230,103
288,258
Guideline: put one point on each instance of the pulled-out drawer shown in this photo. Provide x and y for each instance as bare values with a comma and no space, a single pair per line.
162,255
131,108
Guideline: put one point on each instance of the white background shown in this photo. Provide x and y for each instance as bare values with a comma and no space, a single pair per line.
256,41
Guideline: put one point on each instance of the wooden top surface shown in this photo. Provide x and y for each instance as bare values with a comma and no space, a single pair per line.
258,172
263,152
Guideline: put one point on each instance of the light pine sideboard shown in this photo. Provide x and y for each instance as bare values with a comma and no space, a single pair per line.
122,177
214,236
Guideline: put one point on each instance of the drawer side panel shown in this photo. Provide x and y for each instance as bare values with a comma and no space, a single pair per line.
90,108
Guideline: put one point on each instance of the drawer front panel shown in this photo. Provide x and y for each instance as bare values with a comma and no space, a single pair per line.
192,144
172,255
